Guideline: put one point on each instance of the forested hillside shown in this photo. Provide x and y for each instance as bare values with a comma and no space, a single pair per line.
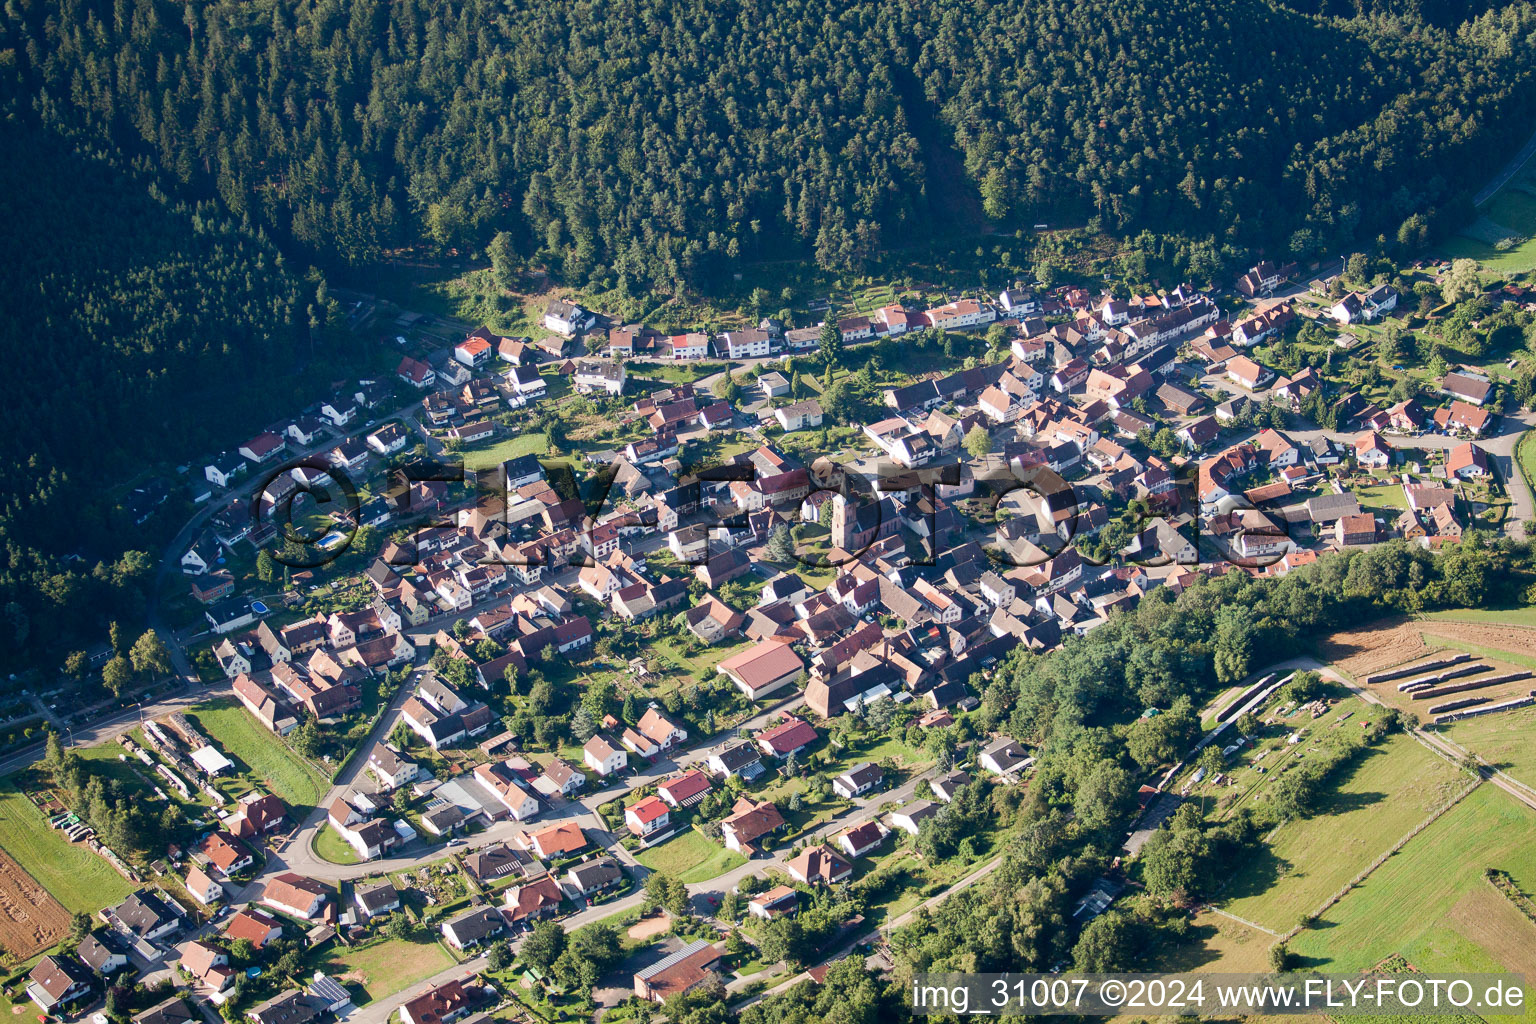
660,143
135,332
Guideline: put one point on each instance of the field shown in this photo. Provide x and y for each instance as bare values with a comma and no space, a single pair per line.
1507,740
1393,642
501,451
691,857
75,876
385,968
1385,792
1454,920
30,919
262,755
1511,215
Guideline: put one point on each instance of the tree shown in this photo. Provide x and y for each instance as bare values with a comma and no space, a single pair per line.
978,441
116,674
499,958
503,257
830,342
149,655
781,544
726,389
1461,282
1280,959
582,725
544,945
76,664
266,566
1107,943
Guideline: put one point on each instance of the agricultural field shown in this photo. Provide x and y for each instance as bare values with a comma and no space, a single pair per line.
262,755
384,968
1455,920
690,856
72,874
30,919
1380,797
1507,741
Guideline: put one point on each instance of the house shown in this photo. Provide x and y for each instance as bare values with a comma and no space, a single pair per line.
264,447
264,704
559,776
603,757
1356,529
560,840
224,468
858,840
737,759
103,952
202,888
1459,417
489,863
679,973
565,318
1246,373
779,901
649,815
441,1004
803,415
1467,462
712,620
146,915
390,769
473,927
503,782
960,314
227,853
685,790
57,981
594,876
1371,449
750,821
763,668
655,726
536,898
911,817
473,351
295,895
1327,508
376,898
1467,385
1004,756
858,780
388,439
774,385
744,344
255,926
416,373
291,1007
819,865
599,375
208,965
790,736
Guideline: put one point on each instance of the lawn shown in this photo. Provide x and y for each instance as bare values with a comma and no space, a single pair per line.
1454,921
263,755
329,845
691,857
1386,792
1507,740
74,875
386,967
501,451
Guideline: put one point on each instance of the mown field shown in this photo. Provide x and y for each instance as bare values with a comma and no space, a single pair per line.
386,967
74,875
1377,800
1431,903
1507,740
690,856
262,755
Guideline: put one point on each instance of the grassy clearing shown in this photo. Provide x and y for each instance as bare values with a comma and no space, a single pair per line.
1386,792
1503,616
1507,740
501,451
1449,923
264,755
385,968
74,875
691,857
329,845
1517,259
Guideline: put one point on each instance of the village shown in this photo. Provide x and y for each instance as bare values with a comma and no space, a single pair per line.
715,671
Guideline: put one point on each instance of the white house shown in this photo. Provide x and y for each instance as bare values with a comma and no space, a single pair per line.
603,757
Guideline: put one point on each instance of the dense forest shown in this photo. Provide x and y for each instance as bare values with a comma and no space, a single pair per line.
135,331
657,144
